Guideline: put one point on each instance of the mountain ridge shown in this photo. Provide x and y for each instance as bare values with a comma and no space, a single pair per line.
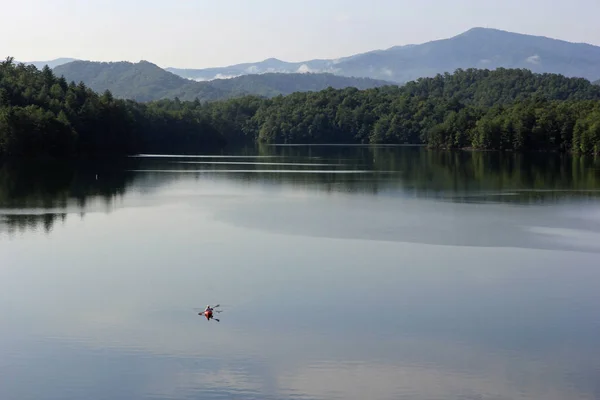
475,48
145,81
478,47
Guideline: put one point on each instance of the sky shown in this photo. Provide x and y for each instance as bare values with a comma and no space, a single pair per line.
212,33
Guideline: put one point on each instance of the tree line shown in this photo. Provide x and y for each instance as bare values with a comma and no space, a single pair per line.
503,109
492,110
44,115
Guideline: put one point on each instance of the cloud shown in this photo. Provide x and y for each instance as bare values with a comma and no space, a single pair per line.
387,72
217,76
223,76
303,69
534,59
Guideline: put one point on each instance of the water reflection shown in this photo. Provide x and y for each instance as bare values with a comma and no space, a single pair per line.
406,171
34,195
421,278
23,222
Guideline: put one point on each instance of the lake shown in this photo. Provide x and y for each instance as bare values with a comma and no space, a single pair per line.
343,272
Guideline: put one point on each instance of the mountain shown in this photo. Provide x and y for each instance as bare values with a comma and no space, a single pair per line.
271,65
273,84
51,63
141,81
475,48
145,81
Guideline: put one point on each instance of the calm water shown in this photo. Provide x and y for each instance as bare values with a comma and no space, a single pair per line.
344,273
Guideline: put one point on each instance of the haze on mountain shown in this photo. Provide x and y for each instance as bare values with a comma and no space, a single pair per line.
481,48
145,81
51,63
476,48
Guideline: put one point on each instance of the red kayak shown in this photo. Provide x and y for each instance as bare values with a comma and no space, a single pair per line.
208,313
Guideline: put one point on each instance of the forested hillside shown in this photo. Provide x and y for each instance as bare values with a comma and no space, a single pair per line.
41,114
501,109
145,81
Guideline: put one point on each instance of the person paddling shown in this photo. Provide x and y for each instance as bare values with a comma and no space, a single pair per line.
208,313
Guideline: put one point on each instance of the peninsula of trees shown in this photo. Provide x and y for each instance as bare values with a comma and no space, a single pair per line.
503,109
44,115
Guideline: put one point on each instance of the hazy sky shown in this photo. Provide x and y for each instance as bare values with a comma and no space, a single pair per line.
205,33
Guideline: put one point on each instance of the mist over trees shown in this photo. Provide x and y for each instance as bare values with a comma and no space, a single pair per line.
144,81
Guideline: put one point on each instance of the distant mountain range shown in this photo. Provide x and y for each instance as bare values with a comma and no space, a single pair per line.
144,81
475,48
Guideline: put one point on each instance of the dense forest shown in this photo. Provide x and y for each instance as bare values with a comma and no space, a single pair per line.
41,114
504,109
495,110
